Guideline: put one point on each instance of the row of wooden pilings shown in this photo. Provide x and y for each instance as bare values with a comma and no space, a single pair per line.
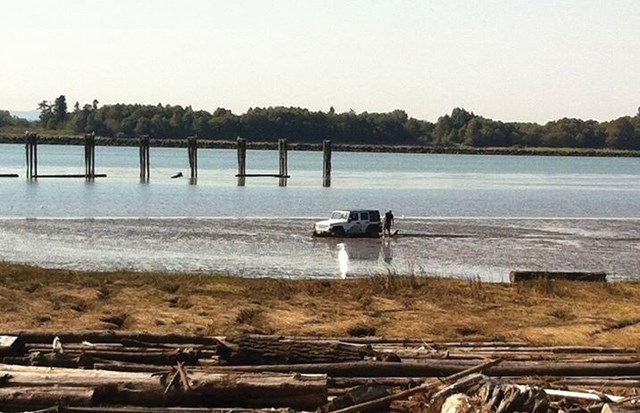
31,148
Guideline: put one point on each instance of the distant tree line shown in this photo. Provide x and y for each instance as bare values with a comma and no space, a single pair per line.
460,128
6,119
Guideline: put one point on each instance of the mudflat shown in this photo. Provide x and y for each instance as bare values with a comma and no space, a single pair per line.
489,248
391,306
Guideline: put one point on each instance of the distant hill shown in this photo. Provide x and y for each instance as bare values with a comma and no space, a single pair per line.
26,114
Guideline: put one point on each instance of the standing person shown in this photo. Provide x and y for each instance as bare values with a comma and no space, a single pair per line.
388,221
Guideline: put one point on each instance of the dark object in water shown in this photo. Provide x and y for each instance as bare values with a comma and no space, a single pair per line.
178,175
392,235
519,276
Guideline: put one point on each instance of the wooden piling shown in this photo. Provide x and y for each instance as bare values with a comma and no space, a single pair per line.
242,161
282,151
326,163
31,149
90,156
144,159
192,142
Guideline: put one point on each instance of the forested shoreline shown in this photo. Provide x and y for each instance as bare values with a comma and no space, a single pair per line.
459,131
231,144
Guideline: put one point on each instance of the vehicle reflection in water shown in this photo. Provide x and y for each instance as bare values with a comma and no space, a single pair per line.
387,255
351,254
343,260
364,249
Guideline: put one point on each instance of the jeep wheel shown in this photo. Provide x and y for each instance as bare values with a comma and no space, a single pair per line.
338,232
372,231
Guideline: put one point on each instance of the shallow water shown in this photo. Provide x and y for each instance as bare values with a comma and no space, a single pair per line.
466,248
413,185
458,215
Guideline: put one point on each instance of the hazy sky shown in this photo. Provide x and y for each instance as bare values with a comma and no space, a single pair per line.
513,60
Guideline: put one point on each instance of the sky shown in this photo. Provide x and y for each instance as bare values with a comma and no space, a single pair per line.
510,60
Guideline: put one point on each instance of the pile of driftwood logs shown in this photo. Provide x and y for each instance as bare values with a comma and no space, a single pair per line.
135,372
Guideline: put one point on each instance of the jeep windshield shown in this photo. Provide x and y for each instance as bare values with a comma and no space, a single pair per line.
339,215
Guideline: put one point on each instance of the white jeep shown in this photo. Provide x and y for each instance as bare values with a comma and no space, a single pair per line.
350,224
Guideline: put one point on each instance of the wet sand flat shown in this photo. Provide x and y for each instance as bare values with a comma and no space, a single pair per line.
487,249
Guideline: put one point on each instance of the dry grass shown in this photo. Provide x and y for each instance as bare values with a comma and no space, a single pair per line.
391,306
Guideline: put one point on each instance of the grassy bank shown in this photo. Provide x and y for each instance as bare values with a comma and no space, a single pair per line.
389,306
231,144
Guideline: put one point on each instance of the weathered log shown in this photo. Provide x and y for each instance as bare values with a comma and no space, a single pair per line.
51,360
142,344
124,366
54,409
459,386
236,390
28,376
551,349
574,358
425,387
206,350
595,382
356,395
11,346
404,382
42,397
297,391
414,354
162,357
269,350
135,409
100,336
581,395
520,276
404,341
440,368
185,353
102,364
71,347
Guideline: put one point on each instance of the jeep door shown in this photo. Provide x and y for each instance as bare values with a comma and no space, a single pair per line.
361,223
355,225
364,222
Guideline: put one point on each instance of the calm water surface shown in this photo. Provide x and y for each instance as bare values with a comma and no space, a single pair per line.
459,215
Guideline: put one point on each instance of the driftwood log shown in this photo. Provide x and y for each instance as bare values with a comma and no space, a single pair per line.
384,402
249,373
40,397
520,276
440,368
274,350
108,336
11,345
134,409
297,391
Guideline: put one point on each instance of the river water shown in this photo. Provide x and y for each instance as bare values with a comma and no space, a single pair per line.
458,215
